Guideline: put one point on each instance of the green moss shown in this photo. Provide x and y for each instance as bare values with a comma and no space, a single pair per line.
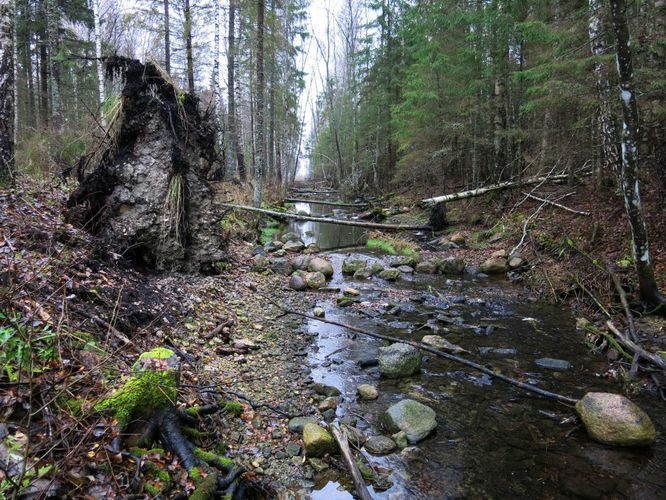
384,246
142,394
162,480
205,488
138,452
213,458
194,433
233,408
194,473
268,234
152,490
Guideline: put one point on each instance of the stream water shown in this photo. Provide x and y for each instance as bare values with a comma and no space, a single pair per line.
492,440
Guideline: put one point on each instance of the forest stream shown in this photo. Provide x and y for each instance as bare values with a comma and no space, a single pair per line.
492,440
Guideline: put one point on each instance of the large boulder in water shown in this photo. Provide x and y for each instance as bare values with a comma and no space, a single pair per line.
613,419
350,266
147,195
415,419
318,442
399,360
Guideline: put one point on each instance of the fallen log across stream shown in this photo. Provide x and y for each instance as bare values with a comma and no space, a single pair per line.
494,187
451,357
329,220
324,202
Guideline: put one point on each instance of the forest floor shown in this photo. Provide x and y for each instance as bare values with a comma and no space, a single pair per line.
69,306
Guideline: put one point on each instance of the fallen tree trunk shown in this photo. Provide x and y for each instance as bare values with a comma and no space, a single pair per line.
558,205
495,187
655,359
359,483
328,220
441,354
322,202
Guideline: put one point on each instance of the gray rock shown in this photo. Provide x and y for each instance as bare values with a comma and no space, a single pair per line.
270,247
296,282
325,390
291,236
293,449
553,364
400,439
615,420
314,280
297,424
362,274
399,360
330,403
405,269
390,274
367,391
351,292
293,246
280,253
516,262
498,351
457,238
404,260
260,263
494,266
415,419
375,268
380,445
345,301
499,254
258,250
320,265
452,265
282,266
442,344
302,262
311,249
427,267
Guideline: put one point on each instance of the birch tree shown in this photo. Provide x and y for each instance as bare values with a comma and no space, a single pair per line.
53,27
98,57
630,165
167,39
6,90
234,122
260,161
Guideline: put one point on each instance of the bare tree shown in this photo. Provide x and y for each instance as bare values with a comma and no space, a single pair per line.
187,34
53,28
234,122
167,39
630,165
7,16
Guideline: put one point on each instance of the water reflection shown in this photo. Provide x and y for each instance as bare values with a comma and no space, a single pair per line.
327,236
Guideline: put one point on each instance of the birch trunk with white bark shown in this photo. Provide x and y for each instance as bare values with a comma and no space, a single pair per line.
98,59
7,16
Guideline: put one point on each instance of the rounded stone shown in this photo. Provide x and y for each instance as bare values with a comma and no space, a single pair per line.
367,391
615,420
415,419
319,265
318,442
380,445
296,282
399,360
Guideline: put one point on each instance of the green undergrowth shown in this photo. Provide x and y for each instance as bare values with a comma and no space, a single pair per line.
392,245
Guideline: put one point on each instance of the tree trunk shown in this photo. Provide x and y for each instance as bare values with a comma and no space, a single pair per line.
630,166
218,173
167,39
260,161
187,33
98,57
7,109
234,125
53,26
43,75
271,100
610,154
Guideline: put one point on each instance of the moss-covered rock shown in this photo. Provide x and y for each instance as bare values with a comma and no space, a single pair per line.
152,385
615,420
318,442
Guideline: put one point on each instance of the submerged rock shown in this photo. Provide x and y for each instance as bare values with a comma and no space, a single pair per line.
442,344
345,301
415,419
399,360
553,364
405,269
380,445
318,442
426,267
494,266
320,265
367,391
325,390
615,420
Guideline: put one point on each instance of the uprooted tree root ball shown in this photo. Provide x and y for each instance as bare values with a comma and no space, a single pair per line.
147,194
144,408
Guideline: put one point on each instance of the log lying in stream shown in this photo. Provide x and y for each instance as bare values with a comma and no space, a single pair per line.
323,202
494,187
441,354
328,220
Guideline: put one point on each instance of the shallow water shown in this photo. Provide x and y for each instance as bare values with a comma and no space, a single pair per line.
491,441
